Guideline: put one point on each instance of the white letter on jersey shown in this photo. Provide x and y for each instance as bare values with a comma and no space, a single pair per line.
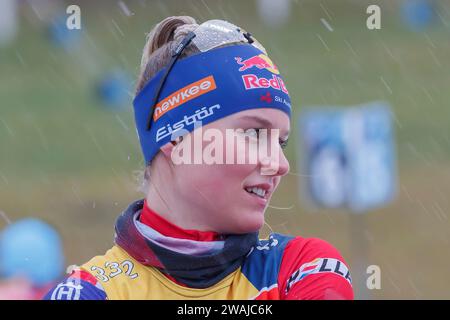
67,291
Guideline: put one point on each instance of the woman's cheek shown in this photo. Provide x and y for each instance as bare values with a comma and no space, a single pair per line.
246,152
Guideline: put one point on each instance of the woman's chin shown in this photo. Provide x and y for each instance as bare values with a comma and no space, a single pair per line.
250,223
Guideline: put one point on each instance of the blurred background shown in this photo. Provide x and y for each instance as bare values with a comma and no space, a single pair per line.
69,151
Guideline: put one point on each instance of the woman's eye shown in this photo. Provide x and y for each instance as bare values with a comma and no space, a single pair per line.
283,144
253,132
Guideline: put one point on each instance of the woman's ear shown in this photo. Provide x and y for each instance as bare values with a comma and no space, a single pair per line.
168,147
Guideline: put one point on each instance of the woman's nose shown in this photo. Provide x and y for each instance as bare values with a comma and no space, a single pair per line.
284,164
275,165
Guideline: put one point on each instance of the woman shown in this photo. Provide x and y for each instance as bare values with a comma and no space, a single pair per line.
208,107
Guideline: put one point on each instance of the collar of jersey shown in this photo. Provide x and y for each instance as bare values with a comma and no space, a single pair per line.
197,264
155,221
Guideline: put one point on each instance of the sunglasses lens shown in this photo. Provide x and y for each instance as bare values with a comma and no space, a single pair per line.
215,33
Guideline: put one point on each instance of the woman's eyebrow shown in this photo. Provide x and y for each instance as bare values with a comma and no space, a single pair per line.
263,122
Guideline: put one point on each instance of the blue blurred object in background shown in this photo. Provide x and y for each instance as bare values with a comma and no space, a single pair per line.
9,22
114,89
418,14
349,156
60,36
32,249
327,165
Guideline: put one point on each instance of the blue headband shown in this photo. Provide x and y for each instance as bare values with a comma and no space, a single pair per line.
204,88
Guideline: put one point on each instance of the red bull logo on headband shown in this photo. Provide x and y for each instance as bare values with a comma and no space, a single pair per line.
260,61
252,81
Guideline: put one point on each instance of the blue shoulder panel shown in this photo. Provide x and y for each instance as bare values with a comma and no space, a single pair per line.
75,289
262,265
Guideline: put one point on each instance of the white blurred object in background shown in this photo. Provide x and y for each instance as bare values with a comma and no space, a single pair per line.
274,13
8,21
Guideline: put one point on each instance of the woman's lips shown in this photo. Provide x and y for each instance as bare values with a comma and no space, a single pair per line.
260,200
264,190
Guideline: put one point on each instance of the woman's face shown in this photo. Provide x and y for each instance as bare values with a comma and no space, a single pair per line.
236,174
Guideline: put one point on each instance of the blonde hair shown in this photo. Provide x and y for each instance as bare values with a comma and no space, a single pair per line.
161,42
